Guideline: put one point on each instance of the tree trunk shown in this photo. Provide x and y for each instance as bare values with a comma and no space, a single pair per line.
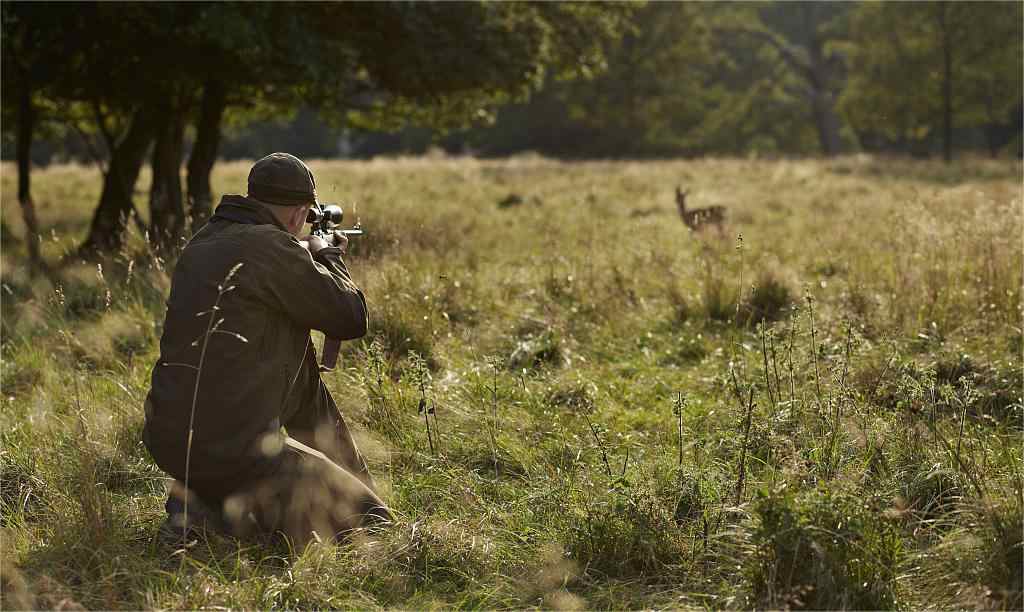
166,208
1017,128
826,121
204,153
823,103
26,125
993,133
106,233
998,134
947,88
947,105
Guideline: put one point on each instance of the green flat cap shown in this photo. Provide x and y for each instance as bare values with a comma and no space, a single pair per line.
282,179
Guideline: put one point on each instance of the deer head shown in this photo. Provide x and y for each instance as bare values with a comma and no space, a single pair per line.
681,197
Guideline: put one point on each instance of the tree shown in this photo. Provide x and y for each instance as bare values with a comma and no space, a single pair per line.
929,67
36,47
653,93
650,100
25,70
378,64
127,74
800,52
695,77
148,70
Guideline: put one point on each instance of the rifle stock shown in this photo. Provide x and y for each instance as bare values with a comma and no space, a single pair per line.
330,354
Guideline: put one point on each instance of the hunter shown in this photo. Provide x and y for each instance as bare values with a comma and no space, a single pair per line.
219,428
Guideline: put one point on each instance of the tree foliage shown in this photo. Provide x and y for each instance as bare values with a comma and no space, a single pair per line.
690,78
925,68
145,71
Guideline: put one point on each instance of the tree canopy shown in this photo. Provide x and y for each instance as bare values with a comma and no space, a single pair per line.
158,82
808,78
927,67
140,73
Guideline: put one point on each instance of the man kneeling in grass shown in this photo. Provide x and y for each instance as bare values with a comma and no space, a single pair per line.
218,427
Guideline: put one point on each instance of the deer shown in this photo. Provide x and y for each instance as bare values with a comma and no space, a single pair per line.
698,218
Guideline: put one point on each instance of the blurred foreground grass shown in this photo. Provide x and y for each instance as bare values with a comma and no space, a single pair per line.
614,427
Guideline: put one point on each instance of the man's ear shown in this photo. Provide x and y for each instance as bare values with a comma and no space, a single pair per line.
298,217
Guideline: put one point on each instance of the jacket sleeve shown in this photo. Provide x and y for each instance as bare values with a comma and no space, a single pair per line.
317,293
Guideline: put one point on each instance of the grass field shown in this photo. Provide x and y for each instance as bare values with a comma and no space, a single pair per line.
824,412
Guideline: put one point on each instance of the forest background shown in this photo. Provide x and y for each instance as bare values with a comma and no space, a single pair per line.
685,79
188,83
607,81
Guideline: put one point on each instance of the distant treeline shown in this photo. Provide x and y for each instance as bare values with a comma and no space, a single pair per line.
803,78
188,83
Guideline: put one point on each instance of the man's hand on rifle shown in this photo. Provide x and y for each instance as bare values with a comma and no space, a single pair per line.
341,241
314,243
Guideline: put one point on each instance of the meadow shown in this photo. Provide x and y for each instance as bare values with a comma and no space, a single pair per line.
818,406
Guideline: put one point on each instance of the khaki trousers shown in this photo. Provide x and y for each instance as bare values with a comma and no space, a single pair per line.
308,497
317,486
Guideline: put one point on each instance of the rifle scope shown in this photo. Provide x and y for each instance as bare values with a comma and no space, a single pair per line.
331,214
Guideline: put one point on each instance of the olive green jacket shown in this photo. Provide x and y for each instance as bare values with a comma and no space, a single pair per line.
260,364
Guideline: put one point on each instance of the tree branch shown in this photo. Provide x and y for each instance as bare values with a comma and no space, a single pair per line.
101,123
790,54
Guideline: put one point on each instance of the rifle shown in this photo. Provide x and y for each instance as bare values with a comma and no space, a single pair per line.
324,221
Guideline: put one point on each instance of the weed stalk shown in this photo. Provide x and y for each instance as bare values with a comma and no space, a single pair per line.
677,410
425,406
739,293
767,374
775,365
814,346
494,363
600,445
742,471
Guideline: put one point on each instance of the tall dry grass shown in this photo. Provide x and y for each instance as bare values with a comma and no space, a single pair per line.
874,460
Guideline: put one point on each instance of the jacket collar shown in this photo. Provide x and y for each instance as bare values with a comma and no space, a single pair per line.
240,209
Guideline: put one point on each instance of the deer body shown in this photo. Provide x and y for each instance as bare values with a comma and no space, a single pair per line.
698,218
